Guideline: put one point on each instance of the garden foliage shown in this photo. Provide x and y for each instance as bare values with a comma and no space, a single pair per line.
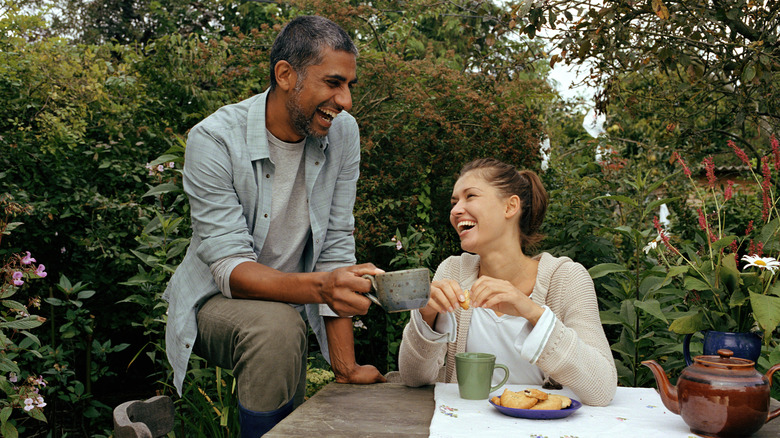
93,140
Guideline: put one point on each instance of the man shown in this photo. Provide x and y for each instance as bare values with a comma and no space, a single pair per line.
271,183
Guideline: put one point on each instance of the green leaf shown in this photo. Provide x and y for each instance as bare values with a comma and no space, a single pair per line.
610,317
653,307
729,274
162,189
693,283
25,323
766,310
606,268
689,323
749,73
618,198
83,295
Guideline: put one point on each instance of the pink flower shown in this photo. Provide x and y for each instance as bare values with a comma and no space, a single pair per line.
709,165
686,171
766,186
702,219
740,153
160,168
41,271
26,260
729,192
13,378
17,277
28,404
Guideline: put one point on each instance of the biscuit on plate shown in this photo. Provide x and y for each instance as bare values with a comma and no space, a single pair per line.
565,401
535,393
551,404
517,400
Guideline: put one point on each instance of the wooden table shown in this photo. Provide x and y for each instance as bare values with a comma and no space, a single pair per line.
379,410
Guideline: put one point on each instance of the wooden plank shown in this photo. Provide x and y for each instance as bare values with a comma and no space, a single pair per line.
378,410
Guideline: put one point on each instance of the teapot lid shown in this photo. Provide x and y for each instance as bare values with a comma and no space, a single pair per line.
724,358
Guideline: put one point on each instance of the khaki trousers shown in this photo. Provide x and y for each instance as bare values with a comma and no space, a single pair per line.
263,342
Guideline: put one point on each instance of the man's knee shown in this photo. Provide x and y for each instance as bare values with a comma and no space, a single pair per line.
283,335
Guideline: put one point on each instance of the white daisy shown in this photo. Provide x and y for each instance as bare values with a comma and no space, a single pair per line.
652,245
761,262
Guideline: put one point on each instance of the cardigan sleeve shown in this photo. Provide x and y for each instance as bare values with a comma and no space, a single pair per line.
577,353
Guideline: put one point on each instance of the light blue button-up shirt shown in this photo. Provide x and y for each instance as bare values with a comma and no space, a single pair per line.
228,177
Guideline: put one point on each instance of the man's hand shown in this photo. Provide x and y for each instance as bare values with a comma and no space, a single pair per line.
341,344
362,374
343,289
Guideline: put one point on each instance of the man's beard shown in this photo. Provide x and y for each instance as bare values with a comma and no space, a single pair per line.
300,121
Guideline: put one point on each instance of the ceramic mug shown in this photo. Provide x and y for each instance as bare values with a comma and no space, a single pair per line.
475,373
399,291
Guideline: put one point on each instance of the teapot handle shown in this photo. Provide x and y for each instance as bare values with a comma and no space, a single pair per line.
776,413
687,349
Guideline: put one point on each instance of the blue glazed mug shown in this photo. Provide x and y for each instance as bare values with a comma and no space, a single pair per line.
744,345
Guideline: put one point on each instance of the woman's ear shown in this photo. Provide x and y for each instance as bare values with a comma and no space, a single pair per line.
512,206
286,77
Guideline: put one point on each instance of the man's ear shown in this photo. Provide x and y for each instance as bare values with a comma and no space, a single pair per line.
512,206
285,75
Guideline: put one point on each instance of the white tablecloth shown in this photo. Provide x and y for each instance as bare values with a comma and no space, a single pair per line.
634,412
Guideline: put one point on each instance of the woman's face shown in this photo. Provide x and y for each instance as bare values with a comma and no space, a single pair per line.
478,212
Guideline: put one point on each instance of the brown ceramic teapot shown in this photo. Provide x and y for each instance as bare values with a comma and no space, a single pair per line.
718,396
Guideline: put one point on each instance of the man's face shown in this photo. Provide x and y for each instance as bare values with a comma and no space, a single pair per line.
323,91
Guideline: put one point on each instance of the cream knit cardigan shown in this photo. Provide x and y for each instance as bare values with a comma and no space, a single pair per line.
577,354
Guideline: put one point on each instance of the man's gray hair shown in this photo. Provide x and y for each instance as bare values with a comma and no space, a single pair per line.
302,40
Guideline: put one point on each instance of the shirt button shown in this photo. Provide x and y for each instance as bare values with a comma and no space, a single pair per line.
186,345
267,175
265,215
316,163
318,240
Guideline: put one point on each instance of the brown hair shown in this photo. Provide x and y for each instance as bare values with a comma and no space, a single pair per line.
526,184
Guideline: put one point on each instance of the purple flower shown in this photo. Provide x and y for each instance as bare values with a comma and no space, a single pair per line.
26,260
28,404
17,276
40,271
13,378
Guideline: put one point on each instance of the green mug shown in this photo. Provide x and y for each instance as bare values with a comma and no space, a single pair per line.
475,372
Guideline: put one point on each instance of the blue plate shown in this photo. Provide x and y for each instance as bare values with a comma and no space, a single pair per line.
538,414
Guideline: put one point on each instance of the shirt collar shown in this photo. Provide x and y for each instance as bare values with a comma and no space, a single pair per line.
257,141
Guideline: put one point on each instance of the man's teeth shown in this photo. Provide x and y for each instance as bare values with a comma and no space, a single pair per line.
466,224
331,114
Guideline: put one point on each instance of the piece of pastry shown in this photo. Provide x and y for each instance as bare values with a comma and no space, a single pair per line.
565,401
535,393
467,302
517,400
551,404
496,400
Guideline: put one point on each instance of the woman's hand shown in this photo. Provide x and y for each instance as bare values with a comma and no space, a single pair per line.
502,296
445,295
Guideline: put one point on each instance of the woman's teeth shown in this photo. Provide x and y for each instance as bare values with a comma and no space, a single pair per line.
464,225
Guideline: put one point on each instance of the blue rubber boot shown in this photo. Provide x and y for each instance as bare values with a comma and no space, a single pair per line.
256,424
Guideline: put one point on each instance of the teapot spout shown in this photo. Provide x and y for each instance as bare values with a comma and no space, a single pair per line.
665,389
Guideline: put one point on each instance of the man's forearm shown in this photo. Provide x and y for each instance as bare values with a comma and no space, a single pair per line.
257,281
341,345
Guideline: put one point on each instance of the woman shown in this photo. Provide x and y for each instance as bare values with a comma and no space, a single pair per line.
538,315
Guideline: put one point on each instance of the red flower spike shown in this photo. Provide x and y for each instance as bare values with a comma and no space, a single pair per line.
740,153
